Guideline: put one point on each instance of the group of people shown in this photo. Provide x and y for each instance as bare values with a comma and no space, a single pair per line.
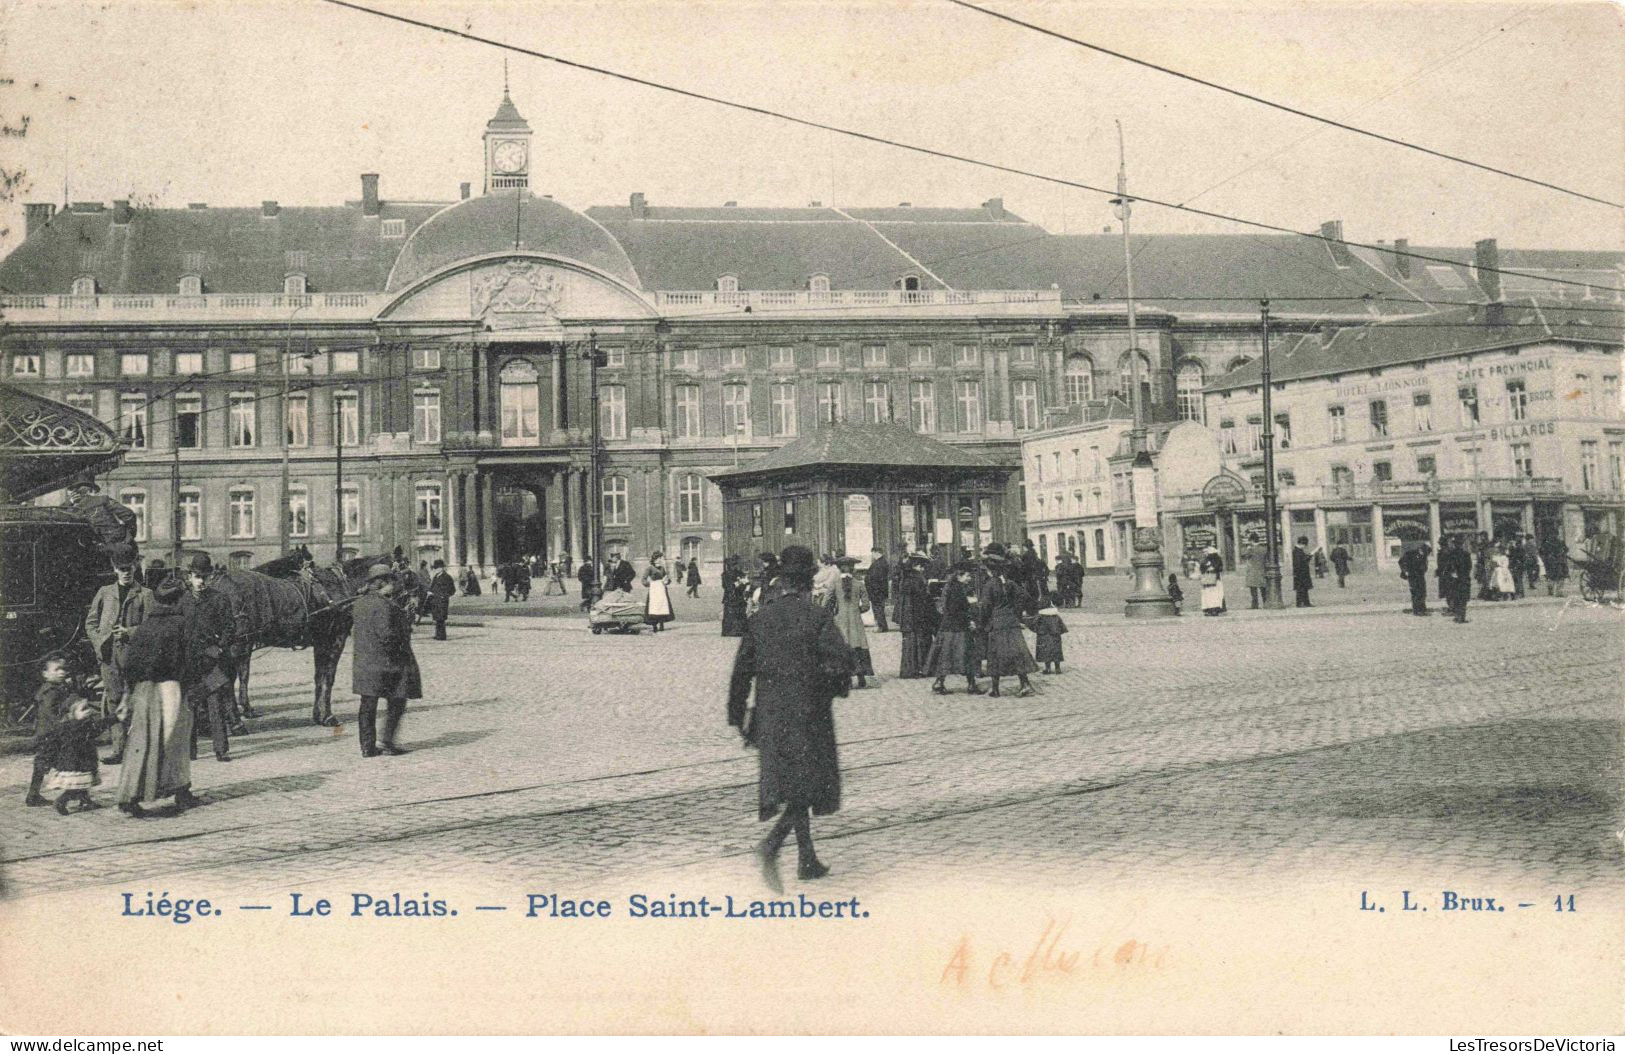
1504,568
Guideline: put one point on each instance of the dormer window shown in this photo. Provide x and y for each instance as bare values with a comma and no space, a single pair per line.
909,283
392,229
818,283
191,285
84,285
294,285
728,284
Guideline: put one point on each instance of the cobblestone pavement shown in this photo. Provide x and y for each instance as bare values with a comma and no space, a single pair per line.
1248,748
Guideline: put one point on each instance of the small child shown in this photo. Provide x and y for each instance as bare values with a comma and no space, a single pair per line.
1175,594
71,748
1049,627
51,704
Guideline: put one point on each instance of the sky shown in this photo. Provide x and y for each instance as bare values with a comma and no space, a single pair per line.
232,103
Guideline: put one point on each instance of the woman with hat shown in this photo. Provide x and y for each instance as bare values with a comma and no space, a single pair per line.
999,604
796,659
1212,582
848,601
383,666
951,652
735,597
916,616
158,751
657,609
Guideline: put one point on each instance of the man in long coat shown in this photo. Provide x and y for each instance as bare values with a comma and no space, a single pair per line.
383,665
211,629
916,617
1456,577
1303,578
798,662
114,614
1413,568
877,580
441,590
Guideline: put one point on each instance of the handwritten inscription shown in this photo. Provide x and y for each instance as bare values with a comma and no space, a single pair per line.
1052,955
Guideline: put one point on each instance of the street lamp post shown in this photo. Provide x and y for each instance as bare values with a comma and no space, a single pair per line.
1272,550
595,499
1150,597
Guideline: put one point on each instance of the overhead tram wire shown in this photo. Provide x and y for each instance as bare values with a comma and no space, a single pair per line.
926,151
1284,108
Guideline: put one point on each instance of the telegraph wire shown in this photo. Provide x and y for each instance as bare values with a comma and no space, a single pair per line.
1283,107
927,151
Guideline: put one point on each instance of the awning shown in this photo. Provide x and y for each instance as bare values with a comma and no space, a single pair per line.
44,444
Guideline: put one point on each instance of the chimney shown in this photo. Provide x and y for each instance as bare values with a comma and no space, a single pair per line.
1332,231
639,206
270,208
1486,267
36,215
994,206
730,204
463,190
122,212
1402,264
369,194
905,205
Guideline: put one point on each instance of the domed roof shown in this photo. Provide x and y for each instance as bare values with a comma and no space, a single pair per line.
487,224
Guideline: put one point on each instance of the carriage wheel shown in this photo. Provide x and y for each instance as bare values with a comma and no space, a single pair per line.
1588,593
596,630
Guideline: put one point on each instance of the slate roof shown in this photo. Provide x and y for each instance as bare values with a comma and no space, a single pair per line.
507,117
1442,334
873,446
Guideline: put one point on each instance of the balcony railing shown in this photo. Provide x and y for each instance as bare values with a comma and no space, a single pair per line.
682,302
158,307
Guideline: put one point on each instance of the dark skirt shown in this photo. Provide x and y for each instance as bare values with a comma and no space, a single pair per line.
950,654
1007,654
916,652
733,618
862,665
1048,648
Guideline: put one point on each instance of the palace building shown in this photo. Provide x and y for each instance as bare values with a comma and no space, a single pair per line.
381,373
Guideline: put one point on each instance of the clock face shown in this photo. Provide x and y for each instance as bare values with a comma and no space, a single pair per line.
509,156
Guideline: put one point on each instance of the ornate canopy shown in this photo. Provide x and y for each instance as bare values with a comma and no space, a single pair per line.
44,444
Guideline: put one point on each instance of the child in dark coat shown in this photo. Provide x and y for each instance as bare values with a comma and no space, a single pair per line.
1175,594
71,748
51,704
1049,627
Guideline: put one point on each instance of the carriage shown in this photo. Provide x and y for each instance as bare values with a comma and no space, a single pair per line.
1601,569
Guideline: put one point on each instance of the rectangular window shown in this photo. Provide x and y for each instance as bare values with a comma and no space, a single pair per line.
296,363
1517,399
426,358
243,363
789,516
191,516
1382,471
734,358
345,362
1379,418
132,364
189,421
350,509
81,365
1427,465
1583,395
136,502
1467,399
784,409
614,358
240,420
1336,424
188,363
969,399
829,355
920,355
428,507
690,506
687,359
615,506
782,358
1588,465
1523,460
347,405
1026,403
392,229
1342,480
426,417
25,365
1422,409
298,425
298,513
876,402
874,356
1609,397
736,410
1254,434
922,405
132,417
967,355
687,411
829,402
1227,437
1283,431
1100,545
1025,353
1616,465
240,509
612,411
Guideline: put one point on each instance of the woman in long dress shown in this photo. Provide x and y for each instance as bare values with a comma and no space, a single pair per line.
999,605
657,609
1501,583
735,597
1212,582
916,617
158,753
951,651
848,601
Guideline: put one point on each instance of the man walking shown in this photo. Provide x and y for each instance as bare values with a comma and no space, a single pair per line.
1413,568
441,590
384,666
1455,573
1302,576
877,580
210,630
1340,561
114,614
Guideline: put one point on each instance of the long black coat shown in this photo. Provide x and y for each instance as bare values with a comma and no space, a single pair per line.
877,580
1302,577
915,612
383,664
796,658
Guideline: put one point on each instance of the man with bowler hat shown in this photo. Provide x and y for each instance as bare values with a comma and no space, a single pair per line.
383,666
114,614
210,629
441,590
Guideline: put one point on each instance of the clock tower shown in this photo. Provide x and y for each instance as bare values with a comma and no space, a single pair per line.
507,148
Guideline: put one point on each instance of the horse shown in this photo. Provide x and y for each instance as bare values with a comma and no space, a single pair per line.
327,627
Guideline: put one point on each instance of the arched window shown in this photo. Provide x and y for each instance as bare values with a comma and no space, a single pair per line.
818,284
1080,379
1125,379
615,501
84,285
690,499
728,284
293,285
1237,363
1188,388
520,415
